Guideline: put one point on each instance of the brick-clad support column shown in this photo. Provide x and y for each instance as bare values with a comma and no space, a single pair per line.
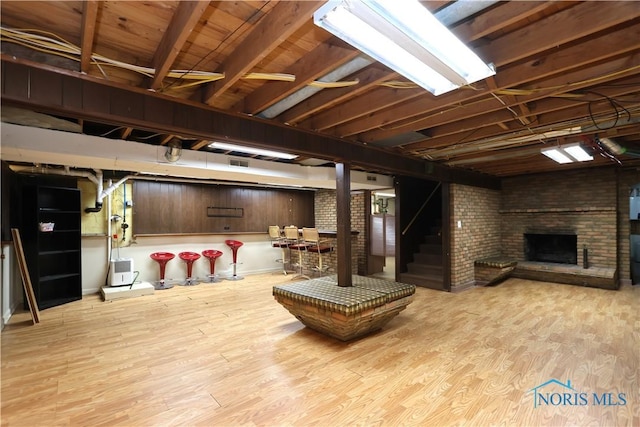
343,213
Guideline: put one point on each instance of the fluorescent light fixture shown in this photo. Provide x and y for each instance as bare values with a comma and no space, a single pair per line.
251,150
404,36
385,194
555,154
567,154
577,152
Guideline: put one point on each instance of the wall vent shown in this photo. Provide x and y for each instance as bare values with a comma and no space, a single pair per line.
372,178
239,163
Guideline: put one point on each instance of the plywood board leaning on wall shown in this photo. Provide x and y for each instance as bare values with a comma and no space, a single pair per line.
26,279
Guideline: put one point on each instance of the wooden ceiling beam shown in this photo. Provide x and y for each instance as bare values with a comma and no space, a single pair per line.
201,143
320,61
165,140
88,31
283,20
125,133
389,98
363,106
539,164
528,149
576,115
487,112
40,88
574,58
554,62
502,16
566,26
368,79
524,117
182,24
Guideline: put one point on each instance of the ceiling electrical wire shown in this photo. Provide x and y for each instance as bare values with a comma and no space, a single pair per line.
250,19
46,42
615,105
57,46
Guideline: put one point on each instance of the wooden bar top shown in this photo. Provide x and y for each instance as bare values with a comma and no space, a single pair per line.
334,233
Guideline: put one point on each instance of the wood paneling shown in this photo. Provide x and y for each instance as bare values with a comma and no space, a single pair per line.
164,207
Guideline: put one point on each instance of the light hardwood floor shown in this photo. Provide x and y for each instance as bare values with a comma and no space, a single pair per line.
227,354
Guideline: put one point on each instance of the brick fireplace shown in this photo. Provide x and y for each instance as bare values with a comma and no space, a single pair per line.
576,203
562,221
579,203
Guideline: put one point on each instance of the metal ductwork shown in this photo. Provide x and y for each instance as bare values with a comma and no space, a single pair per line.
616,149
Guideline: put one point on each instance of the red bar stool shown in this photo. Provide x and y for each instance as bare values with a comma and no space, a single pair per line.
234,245
162,258
189,258
212,255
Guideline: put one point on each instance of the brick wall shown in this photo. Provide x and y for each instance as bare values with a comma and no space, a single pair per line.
477,209
581,202
325,209
358,222
325,214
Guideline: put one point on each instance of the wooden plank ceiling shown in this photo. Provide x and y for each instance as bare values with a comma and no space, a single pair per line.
566,72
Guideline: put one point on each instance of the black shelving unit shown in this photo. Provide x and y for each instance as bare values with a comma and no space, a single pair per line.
53,256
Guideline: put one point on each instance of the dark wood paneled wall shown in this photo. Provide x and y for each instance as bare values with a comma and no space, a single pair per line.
168,207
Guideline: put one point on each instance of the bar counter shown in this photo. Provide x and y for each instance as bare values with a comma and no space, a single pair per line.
310,261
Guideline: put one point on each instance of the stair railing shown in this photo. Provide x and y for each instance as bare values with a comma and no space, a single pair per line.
420,210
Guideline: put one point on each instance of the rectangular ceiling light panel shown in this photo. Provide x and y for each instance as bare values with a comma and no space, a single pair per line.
556,155
567,153
405,37
577,152
251,150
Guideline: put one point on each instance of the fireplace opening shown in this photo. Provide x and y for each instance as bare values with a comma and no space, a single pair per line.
558,248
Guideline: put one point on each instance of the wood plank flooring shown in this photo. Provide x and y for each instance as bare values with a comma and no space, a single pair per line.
227,354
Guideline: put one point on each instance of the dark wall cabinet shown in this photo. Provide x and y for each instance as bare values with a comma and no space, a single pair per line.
52,243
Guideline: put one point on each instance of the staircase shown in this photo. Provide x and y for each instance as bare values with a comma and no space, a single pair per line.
426,268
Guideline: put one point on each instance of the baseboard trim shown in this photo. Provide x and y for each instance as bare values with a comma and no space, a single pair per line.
463,287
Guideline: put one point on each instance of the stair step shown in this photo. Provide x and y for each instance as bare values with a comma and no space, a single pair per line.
431,282
432,238
424,269
431,248
432,259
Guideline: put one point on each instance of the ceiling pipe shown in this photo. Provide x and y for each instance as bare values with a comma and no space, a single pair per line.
101,194
97,179
616,149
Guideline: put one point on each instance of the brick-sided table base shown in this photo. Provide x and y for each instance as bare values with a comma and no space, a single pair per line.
490,270
344,313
